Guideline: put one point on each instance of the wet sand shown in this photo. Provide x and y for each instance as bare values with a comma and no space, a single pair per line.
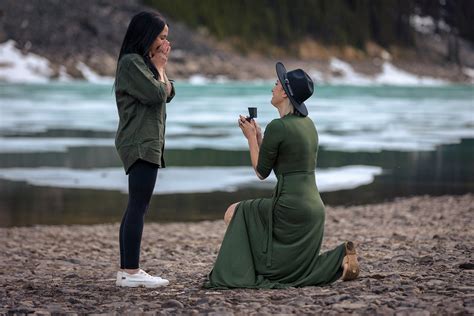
415,254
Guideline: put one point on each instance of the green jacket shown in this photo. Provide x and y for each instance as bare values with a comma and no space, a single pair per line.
141,102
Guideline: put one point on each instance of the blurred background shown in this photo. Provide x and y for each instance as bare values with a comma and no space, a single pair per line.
394,102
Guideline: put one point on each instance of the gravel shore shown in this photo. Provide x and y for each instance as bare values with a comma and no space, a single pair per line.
415,254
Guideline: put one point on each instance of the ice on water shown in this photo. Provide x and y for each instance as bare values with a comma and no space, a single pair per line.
184,179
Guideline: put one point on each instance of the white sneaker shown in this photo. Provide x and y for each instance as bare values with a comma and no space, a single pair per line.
141,278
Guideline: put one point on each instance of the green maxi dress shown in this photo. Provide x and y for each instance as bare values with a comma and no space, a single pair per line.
275,242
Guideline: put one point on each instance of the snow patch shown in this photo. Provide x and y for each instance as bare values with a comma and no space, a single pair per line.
421,24
469,72
91,75
198,80
393,76
390,75
17,67
427,25
63,75
347,74
22,68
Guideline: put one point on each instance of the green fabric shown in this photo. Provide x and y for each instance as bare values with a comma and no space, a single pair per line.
275,242
141,102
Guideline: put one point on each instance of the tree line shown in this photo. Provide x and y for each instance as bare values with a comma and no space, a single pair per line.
256,24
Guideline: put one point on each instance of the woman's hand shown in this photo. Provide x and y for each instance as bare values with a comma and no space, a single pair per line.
248,129
160,57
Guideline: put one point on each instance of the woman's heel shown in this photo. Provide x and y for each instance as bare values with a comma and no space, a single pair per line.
350,263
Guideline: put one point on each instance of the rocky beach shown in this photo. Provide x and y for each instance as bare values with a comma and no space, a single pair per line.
415,254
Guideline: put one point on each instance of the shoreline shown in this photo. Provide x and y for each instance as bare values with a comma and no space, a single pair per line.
412,175
411,255
232,67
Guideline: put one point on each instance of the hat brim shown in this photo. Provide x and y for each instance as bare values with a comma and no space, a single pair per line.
281,74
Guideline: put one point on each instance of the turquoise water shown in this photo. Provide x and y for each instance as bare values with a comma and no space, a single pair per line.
348,118
57,157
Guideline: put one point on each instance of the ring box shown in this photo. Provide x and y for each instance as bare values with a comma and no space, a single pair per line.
252,113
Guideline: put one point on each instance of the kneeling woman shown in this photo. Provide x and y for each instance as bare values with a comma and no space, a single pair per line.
275,242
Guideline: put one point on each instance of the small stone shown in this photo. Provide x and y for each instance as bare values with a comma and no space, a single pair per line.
71,276
376,276
337,298
403,259
202,301
434,283
72,260
379,289
172,304
29,286
74,300
467,266
426,260
21,311
349,305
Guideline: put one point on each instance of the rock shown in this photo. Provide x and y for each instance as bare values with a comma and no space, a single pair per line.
426,260
434,283
71,276
403,259
337,298
202,300
21,311
29,286
349,305
467,266
172,304
72,260
379,289
74,300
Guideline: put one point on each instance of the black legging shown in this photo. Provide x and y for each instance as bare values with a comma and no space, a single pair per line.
141,182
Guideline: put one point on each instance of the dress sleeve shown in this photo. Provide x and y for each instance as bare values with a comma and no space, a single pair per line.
268,154
137,80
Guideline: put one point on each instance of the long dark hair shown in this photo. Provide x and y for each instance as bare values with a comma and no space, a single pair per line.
141,33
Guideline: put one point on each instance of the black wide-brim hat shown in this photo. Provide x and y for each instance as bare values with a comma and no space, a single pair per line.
297,85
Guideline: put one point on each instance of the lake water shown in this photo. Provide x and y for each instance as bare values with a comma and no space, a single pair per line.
58,164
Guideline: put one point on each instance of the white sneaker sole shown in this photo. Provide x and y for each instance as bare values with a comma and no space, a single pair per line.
150,286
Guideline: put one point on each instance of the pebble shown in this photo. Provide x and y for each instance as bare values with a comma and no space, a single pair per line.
467,266
172,304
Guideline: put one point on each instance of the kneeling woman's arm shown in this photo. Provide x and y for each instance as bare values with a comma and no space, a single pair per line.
263,152
251,131
254,148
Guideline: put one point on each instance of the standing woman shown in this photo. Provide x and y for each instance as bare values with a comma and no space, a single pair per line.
142,90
